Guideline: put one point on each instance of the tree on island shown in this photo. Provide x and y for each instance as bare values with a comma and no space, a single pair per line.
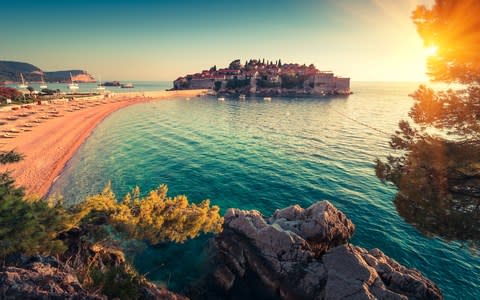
437,164
235,65
217,86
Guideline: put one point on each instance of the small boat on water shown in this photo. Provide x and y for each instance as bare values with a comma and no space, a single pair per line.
221,99
127,85
242,97
100,86
43,85
267,98
22,85
72,85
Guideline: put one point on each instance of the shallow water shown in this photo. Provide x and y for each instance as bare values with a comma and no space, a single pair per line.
267,155
139,86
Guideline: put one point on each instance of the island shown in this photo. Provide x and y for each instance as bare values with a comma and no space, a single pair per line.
266,78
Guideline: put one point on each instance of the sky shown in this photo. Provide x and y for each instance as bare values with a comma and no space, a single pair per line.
366,40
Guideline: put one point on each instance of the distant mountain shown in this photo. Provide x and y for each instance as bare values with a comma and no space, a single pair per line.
64,76
10,72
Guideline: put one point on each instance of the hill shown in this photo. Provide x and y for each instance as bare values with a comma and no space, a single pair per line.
10,72
63,76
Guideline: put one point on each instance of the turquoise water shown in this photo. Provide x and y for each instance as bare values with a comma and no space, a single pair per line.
139,86
266,155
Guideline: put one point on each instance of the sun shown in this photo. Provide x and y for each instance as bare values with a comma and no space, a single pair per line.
431,50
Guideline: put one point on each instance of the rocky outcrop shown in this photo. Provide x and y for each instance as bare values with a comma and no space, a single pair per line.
304,254
41,278
150,291
82,272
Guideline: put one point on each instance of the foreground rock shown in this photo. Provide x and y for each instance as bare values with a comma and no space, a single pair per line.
304,254
41,278
47,278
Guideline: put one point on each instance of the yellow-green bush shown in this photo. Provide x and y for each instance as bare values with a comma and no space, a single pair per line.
155,217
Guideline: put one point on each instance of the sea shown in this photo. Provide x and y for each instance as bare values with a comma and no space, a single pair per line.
266,155
138,86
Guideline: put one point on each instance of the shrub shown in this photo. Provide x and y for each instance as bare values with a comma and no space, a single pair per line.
118,282
155,217
9,93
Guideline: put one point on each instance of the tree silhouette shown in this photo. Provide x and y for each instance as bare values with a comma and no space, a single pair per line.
436,166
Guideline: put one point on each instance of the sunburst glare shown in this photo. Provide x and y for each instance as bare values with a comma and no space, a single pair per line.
431,50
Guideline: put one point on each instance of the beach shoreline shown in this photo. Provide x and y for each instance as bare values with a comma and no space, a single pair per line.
49,146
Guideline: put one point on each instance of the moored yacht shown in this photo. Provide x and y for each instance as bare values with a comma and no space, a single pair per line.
128,85
72,85
100,86
22,85
43,85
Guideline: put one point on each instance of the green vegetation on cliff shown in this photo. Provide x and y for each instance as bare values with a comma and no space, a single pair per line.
27,226
155,217
85,236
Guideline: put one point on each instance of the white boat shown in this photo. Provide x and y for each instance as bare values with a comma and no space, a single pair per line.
100,86
72,85
23,85
242,97
43,85
127,85
221,99
267,98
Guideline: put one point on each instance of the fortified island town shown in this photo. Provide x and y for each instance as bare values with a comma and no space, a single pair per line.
266,78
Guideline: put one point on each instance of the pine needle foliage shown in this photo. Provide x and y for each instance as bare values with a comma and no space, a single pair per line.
156,217
436,159
27,226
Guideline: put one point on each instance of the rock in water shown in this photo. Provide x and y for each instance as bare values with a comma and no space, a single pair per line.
304,254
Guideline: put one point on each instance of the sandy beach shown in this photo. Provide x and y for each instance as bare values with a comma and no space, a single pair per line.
49,135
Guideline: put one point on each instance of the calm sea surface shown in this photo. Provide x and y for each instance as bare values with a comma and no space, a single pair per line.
139,86
267,155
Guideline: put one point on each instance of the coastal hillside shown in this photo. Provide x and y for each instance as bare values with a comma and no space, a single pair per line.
64,76
266,78
10,73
